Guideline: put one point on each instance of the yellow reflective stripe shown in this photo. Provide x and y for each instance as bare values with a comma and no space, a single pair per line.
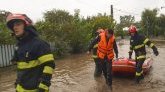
46,58
43,86
48,69
139,74
95,46
29,64
19,88
151,45
146,40
94,56
138,46
141,57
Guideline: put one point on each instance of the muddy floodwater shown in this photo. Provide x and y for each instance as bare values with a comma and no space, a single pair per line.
75,74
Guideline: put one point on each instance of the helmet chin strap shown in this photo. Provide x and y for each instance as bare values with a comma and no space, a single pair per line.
12,34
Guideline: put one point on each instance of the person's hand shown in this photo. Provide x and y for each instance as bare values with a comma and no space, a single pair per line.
130,55
88,52
156,52
116,56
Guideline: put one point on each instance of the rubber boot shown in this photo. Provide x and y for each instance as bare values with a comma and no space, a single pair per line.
137,79
97,72
142,77
109,85
110,88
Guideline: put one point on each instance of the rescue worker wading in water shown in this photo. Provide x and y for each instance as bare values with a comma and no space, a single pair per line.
137,43
98,70
35,62
105,52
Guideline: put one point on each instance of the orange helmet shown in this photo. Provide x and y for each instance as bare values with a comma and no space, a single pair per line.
132,29
12,18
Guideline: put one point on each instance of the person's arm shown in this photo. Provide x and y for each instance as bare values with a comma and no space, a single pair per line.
93,42
130,49
147,42
46,59
115,48
14,57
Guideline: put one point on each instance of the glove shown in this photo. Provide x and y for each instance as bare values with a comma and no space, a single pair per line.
156,53
130,55
116,55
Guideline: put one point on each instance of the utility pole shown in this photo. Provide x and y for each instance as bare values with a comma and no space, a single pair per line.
112,11
162,7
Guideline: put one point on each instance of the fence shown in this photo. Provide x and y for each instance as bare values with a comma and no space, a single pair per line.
6,53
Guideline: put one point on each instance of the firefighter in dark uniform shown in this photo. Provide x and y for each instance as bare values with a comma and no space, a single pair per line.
137,43
35,62
98,70
106,48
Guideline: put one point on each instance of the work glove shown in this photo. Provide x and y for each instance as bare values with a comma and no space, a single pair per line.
116,56
156,53
130,55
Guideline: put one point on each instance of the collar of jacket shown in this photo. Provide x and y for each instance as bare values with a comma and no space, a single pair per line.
30,33
136,34
25,38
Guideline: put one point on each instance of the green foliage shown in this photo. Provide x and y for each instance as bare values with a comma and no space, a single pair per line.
70,33
125,21
148,22
151,24
102,21
5,37
161,25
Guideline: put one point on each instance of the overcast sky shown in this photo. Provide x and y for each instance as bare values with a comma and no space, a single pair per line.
35,8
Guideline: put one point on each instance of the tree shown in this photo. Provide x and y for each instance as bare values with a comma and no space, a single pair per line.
161,25
125,21
102,21
70,33
5,37
148,21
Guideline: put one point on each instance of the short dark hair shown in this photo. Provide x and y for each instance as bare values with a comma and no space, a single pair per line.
110,31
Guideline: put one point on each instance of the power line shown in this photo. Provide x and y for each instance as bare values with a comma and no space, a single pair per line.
89,5
131,13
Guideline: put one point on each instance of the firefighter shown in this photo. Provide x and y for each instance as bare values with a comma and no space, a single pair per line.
137,43
105,52
35,62
98,70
